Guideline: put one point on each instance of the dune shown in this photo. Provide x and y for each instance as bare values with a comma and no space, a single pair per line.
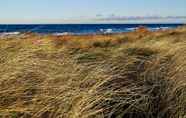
140,74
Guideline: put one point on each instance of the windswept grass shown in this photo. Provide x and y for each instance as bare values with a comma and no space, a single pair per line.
140,74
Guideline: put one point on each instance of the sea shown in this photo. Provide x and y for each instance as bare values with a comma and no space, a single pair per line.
78,29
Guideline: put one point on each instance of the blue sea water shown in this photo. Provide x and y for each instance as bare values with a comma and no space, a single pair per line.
60,29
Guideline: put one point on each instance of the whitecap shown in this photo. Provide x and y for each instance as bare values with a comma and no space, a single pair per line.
10,33
165,28
106,31
131,29
62,34
154,28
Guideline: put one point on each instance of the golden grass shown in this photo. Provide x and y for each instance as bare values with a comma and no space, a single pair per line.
140,74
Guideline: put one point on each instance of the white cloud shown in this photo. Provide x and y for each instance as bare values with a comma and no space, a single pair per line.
99,18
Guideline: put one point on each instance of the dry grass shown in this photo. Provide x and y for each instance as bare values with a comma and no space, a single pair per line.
129,75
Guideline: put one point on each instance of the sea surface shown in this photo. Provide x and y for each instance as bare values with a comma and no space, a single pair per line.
79,29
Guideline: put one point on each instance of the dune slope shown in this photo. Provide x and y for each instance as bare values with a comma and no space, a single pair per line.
140,74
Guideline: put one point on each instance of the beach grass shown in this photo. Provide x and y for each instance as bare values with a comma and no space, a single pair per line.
140,74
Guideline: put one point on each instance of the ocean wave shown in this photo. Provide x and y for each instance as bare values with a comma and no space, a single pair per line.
106,31
154,28
62,33
164,28
159,28
131,29
9,33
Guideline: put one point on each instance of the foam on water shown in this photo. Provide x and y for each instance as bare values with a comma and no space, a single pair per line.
10,33
106,31
131,29
62,34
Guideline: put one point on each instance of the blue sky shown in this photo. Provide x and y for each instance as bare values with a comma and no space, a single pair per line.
59,11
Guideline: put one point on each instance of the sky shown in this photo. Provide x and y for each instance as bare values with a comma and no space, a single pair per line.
82,11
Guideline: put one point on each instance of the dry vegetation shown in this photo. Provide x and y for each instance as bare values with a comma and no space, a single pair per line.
130,75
